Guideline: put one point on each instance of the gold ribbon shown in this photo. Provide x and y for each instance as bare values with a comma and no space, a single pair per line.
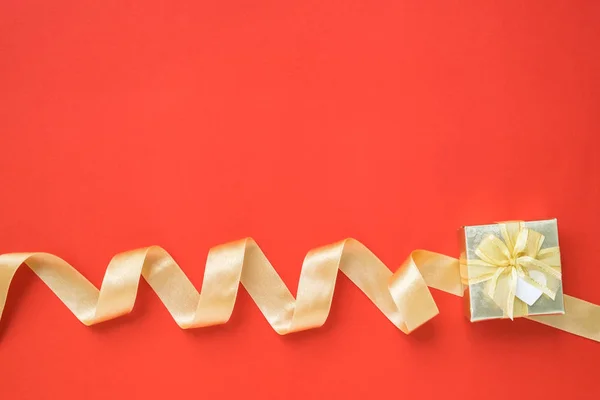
501,263
403,297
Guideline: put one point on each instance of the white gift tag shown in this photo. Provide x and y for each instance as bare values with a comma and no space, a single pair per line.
528,293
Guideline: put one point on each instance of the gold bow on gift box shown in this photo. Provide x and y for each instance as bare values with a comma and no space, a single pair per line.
403,297
502,263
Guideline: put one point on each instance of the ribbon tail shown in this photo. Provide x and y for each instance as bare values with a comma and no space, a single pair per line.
582,318
510,300
493,282
404,297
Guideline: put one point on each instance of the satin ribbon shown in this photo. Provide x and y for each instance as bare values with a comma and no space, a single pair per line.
403,297
502,263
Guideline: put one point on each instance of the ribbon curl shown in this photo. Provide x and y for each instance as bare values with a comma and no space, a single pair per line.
501,263
403,297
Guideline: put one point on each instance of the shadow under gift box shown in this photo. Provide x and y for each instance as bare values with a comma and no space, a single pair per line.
479,306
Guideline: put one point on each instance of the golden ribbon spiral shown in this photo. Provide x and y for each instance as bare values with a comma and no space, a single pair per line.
501,263
403,297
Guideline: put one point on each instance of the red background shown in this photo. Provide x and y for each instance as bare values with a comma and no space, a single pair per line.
189,124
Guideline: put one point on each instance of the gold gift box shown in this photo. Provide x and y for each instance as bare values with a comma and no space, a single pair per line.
478,304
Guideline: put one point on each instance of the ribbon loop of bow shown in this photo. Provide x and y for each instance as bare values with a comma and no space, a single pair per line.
503,261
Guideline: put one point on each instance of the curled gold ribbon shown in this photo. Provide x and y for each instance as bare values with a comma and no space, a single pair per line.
403,297
502,262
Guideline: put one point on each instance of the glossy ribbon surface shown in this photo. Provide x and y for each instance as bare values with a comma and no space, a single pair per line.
403,297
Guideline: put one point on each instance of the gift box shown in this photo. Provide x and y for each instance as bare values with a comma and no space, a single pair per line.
511,269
